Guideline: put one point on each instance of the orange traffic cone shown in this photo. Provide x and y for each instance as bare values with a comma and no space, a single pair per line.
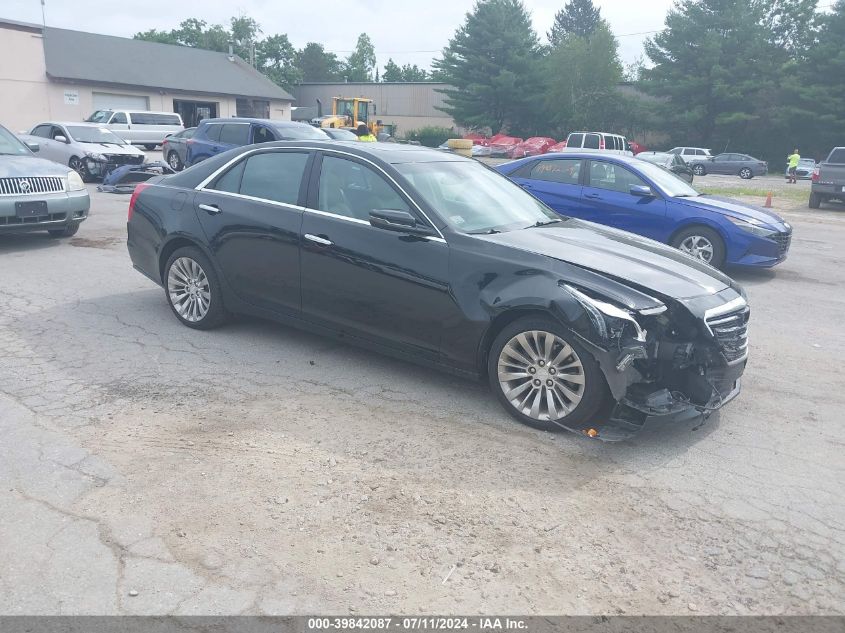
768,204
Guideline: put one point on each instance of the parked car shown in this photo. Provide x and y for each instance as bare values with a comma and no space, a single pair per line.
742,165
174,148
438,259
214,136
533,146
90,150
689,154
597,141
804,171
829,179
340,134
634,195
139,127
670,162
38,194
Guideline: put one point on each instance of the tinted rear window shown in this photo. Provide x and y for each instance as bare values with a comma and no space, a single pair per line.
274,176
592,141
235,134
213,131
837,155
150,118
575,140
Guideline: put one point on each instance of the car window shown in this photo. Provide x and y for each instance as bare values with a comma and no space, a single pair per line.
42,130
592,141
119,117
274,176
612,177
837,155
11,145
57,131
700,152
689,152
213,131
235,134
575,140
189,133
261,134
723,157
566,171
230,181
354,190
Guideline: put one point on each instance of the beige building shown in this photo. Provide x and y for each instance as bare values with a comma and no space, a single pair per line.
409,106
63,75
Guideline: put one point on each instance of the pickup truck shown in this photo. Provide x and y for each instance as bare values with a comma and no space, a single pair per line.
828,182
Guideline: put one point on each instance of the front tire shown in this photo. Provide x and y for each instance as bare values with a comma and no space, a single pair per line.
192,289
746,174
78,165
543,377
69,231
699,170
815,201
149,146
702,243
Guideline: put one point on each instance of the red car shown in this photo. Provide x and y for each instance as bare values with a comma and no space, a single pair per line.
532,147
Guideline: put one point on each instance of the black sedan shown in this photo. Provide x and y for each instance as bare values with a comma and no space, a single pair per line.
438,259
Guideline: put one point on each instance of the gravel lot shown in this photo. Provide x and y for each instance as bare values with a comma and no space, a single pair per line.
149,468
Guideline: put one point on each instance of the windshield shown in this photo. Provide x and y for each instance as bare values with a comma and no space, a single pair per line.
475,199
302,132
100,116
342,135
85,134
668,182
9,144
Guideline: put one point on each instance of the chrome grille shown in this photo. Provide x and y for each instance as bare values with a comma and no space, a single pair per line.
31,186
783,240
731,332
124,159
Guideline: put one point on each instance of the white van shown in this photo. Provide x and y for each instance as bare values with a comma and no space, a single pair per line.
139,127
598,142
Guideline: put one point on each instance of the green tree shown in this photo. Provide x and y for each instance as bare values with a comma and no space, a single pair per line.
362,61
244,36
277,59
492,65
577,17
584,76
392,72
413,73
315,64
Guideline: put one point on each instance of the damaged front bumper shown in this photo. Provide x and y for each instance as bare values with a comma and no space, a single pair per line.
675,364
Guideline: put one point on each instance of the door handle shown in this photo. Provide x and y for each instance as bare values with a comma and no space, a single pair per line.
525,185
318,240
593,196
210,209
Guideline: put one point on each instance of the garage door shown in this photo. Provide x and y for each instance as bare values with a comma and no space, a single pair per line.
107,101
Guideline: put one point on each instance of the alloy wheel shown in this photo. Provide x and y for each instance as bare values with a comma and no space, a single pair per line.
745,173
188,289
699,247
541,375
698,170
174,161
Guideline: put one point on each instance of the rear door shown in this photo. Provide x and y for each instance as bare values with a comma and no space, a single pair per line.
251,215
386,286
724,164
607,200
119,124
557,182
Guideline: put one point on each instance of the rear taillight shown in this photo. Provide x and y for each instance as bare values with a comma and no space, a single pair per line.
815,175
190,141
138,189
601,144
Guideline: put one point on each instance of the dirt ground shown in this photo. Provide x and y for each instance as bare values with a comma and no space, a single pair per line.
150,468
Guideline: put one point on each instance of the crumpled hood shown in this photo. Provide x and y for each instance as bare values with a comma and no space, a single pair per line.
28,166
110,148
737,209
620,255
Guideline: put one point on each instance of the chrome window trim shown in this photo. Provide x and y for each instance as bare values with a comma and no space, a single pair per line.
242,196
202,186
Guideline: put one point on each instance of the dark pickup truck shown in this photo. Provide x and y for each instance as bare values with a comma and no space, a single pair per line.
828,181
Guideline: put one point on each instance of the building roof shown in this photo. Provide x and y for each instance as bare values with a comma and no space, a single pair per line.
105,59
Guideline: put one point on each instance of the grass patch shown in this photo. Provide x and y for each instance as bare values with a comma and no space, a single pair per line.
796,195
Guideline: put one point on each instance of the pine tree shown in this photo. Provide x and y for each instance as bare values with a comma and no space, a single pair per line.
578,17
492,65
362,62
392,71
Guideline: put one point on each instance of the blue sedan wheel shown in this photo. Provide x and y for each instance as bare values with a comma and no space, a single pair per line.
702,243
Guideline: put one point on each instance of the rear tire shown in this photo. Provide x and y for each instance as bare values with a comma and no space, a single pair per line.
746,174
69,231
149,146
174,161
192,289
565,386
698,241
815,201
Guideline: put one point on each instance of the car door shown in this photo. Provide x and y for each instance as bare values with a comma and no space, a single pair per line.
262,134
557,182
119,124
608,200
232,135
63,150
251,215
385,286
723,164
47,147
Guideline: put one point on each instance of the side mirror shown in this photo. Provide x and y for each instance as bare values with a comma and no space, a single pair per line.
393,220
60,139
642,191
33,147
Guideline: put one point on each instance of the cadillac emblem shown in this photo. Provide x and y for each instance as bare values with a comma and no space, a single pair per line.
25,185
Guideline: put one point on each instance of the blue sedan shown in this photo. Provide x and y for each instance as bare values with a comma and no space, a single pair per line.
636,196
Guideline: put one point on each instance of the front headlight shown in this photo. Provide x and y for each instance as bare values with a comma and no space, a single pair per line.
751,227
96,156
74,182
610,321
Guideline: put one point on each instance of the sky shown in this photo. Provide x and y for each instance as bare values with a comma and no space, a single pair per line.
408,31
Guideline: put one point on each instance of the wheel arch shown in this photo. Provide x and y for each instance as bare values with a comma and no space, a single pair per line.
171,246
694,222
